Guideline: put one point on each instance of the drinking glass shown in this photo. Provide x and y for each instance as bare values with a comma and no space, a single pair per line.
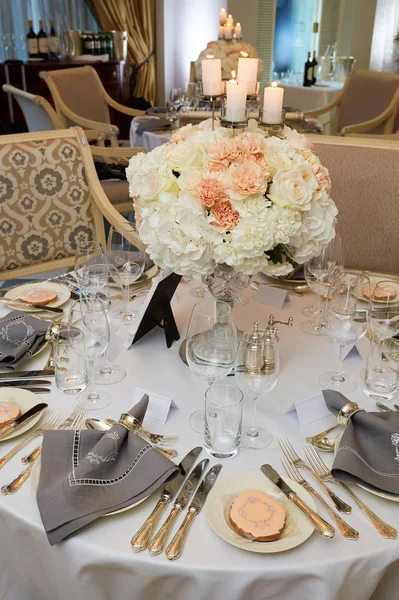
211,346
88,253
96,284
381,379
342,325
70,369
89,337
176,97
256,372
223,418
126,253
172,115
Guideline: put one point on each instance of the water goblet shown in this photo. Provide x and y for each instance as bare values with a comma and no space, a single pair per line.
70,369
88,253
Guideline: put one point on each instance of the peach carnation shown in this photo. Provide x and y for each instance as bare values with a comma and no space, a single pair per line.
180,134
323,180
251,143
221,155
209,191
224,216
245,180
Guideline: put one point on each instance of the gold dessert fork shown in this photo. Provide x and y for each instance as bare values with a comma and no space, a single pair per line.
325,473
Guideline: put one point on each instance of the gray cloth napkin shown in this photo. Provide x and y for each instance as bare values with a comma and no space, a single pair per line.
20,337
156,110
152,125
87,474
369,448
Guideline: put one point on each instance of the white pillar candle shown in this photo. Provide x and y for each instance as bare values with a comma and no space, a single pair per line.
212,77
230,21
228,32
223,16
236,101
273,103
238,31
221,32
248,73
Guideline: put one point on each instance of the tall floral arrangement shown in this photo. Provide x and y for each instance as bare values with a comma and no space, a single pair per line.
229,51
252,202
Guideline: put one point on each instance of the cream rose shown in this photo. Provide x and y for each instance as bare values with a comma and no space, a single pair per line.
289,188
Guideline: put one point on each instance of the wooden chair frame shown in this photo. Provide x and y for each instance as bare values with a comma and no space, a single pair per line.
101,207
63,112
388,116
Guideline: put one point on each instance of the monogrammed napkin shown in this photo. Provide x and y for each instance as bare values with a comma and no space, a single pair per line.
20,337
87,474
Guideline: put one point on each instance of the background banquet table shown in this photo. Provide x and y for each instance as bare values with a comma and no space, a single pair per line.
148,139
98,562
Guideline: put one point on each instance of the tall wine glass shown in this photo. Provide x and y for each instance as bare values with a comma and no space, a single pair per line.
88,253
256,372
211,346
176,97
126,253
342,325
96,284
383,315
89,337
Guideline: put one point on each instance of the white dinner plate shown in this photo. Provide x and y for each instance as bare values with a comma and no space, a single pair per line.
34,481
373,281
297,528
374,492
62,291
24,399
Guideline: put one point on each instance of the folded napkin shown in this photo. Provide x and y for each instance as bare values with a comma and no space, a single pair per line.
152,125
87,474
368,452
20,337
156,110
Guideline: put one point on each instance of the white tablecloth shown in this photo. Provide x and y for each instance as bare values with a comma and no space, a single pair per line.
148,139
310,98
97,563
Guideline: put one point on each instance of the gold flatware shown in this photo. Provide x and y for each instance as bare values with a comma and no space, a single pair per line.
383,407
155,438
347,531
168,452
158,542
325,444
23,304
51,422
387,531
294,459
294,287
254,285
26,416
346,412
15,484
142,537
176,546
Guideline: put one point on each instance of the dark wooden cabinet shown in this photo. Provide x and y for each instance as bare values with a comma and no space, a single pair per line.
115,77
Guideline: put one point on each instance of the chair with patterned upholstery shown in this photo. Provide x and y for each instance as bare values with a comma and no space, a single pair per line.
50,201
368,103
80,99
365,183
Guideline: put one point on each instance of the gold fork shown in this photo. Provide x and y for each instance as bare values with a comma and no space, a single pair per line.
15,484
347,531
77,412
294,459
50,423
325,473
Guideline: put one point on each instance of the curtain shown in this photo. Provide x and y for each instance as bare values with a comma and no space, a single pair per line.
137,17
14,15
386,27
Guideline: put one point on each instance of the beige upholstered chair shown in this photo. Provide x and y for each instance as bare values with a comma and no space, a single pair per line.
365,184
368,103
80,99
39,114
50,200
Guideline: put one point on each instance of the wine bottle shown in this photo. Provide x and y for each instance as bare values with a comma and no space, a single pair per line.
53,41
308,72
315,63
33,46
110,45
97,44
90,43
43,41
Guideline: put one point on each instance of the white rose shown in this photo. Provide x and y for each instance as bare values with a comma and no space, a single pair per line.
297,140
189,179
150,185
289,188
279,154
182,155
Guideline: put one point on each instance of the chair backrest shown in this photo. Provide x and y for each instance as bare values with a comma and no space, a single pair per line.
366,95
50,201
39,114
79,89
365,183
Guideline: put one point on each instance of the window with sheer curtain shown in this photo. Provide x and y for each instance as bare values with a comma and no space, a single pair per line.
14,16
386,27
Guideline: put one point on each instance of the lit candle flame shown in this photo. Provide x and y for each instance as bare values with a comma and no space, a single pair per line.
210,56
244,54
230,17
233,74
274,84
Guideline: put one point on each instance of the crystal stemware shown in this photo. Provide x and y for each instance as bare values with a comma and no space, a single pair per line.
89,336
383,315
343,303
211,346
256,372
88,253
126,253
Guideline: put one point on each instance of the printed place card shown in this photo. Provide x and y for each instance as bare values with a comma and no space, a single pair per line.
271,296
312,410
158,406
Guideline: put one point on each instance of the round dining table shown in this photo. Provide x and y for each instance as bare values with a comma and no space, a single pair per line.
97,563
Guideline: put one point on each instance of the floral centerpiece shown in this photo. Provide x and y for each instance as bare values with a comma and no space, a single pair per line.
229,51
251,202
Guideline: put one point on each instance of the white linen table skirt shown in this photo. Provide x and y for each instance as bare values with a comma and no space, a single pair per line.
98,564
148,139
